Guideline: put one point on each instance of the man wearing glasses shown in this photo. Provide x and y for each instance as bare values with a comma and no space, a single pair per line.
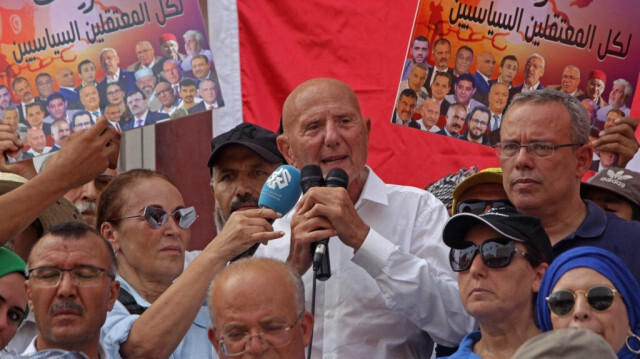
544,152
477,121
251,318
70,288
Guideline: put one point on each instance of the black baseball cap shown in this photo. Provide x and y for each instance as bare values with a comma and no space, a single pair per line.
258,139
505,220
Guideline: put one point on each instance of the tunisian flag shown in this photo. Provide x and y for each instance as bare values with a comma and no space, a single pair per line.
361,42
17,25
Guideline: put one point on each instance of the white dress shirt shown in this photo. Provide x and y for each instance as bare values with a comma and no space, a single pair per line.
378,300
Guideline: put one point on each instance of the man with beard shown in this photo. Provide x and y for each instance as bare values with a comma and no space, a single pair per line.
620,93
5,99
60,129
146,82
193,41
404,109
70,309
430,111
477,121
455,120
110,62
441,54
241,161
188,94
419,55
533,72
139,108
22,89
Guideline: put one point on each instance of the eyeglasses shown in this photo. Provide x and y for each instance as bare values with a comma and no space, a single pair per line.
156,217
478,122
600,298
276,335
82,276
535,149
478,206
495,253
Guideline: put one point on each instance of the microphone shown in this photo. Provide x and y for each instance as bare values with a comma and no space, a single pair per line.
280,192
337,177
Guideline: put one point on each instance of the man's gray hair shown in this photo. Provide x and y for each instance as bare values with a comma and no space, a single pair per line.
292,275
195,33
580,121
627,86
536,55
108,49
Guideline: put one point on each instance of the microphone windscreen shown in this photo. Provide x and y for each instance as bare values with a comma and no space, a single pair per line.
311,176
281,190
337,177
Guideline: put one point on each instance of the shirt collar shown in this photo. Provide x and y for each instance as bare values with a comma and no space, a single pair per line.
374,190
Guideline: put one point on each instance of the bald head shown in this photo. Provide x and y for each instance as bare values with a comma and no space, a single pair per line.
241,297
312,93
323,125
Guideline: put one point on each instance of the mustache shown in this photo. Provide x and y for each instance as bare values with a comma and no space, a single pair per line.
84,206
66,305
242,200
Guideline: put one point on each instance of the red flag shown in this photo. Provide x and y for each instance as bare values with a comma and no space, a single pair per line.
17,25
361,42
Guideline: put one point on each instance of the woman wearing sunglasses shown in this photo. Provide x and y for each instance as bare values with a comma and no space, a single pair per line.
160,311
588,287
500,257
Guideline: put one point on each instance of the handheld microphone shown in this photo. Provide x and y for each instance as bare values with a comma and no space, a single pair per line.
280,192
337,177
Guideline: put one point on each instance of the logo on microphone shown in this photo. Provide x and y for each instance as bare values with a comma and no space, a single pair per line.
280,178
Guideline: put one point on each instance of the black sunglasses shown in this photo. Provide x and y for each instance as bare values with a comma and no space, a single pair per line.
156,217
495,253
600,298
477,206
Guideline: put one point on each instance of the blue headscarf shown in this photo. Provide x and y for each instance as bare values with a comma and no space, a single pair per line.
605,263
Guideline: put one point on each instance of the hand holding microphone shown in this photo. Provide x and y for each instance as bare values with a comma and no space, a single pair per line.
280,193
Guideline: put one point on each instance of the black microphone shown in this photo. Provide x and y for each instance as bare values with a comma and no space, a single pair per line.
337,177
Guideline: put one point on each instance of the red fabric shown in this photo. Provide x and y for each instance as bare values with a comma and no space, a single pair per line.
17,25
361,42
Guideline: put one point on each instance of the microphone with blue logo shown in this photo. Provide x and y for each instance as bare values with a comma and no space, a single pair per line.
280,193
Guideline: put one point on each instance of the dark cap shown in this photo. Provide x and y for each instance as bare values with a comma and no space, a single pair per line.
505,220
258,139
620,181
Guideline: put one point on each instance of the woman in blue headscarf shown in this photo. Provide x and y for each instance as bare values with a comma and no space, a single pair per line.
588,287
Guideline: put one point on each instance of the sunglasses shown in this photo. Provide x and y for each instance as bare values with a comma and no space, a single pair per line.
156,217
495,253
600,298
478,206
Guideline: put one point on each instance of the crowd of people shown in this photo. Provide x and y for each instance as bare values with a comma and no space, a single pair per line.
151,90
472,105
525,251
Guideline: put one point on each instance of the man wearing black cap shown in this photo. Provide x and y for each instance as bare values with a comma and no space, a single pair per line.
240,162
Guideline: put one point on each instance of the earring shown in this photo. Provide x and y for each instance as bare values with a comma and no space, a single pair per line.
637,339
